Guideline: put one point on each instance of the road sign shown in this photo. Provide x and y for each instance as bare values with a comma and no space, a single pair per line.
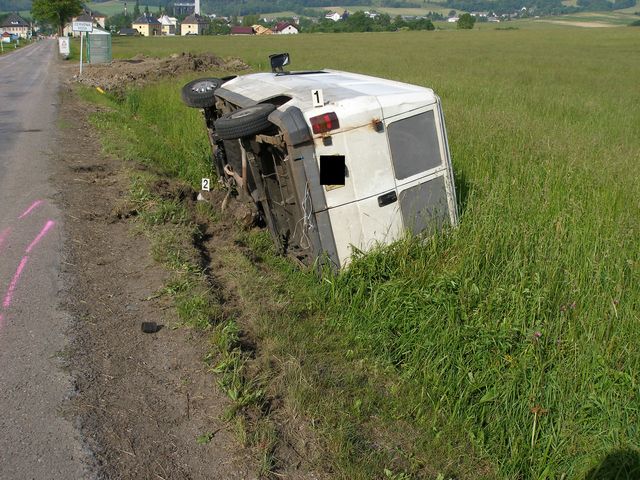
64,45
82,26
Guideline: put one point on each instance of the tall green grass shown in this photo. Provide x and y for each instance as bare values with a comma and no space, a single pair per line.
155,128
518,329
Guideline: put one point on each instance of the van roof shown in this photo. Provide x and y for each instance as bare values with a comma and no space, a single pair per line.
336,86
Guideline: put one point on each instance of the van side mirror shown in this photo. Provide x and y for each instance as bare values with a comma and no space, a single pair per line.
278,60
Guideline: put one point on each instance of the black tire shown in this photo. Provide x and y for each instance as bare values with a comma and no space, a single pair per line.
149,327
200,93
244,122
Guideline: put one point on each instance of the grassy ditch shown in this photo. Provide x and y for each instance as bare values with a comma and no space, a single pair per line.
503,349
7,48
161,199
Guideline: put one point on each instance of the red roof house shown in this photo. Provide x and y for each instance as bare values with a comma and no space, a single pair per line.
242,31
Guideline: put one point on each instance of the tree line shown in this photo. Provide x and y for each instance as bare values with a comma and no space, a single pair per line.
360,22
309,8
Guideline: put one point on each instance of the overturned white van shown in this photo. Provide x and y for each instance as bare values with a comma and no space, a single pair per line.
331,160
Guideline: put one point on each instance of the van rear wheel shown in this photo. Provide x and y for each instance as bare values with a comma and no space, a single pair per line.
244,122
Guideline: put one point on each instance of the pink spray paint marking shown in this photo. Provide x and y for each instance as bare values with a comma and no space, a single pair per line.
47,226
8,298
3,236
33,206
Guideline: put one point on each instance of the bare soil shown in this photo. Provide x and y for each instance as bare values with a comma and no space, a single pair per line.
120,74
142,399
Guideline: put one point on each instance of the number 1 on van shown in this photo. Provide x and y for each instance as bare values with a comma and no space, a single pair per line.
318,98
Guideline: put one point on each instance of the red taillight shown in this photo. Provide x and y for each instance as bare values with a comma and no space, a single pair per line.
324,123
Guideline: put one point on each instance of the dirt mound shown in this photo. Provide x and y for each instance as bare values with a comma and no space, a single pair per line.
118,75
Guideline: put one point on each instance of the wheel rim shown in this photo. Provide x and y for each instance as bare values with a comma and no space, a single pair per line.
245,112
203,86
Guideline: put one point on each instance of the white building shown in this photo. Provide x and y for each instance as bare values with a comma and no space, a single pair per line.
169,24
335,16
285,28
14,24
98,19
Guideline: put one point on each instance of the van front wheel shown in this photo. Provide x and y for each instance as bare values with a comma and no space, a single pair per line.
200,93
244,122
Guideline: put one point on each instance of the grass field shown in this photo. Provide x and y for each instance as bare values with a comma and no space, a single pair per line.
634,9
592,18
506,348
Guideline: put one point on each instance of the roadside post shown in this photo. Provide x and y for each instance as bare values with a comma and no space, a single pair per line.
82,27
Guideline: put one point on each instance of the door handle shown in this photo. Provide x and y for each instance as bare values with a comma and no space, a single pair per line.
387,198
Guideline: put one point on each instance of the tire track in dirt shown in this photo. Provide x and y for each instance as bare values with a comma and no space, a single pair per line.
142,400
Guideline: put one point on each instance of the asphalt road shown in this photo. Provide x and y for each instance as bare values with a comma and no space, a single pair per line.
36,441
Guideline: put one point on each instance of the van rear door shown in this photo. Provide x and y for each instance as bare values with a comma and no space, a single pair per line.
422,168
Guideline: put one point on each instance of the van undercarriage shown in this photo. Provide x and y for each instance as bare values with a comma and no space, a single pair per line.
259,171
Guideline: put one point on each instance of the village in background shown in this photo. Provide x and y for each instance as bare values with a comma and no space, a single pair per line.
184,18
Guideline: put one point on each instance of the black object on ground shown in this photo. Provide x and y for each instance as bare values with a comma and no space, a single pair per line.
150,327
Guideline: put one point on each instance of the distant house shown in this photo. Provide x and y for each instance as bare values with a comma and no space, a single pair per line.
98,20
285,28
261,30
453,19
128,32
6,37
335,16
169,24
242,31
16,25
148,26
194,25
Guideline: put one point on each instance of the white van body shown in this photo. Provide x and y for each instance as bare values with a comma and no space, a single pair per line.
391,137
